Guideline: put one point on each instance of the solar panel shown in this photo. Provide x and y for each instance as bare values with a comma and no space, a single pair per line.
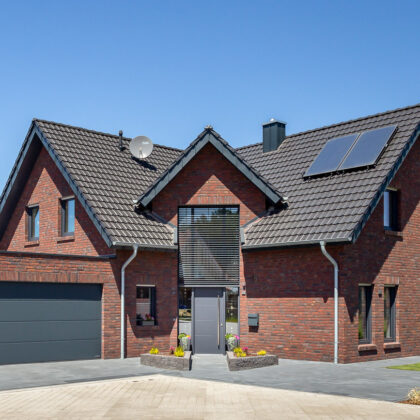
331,155
368,148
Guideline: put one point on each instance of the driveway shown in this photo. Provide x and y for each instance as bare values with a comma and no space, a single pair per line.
171,397
363,380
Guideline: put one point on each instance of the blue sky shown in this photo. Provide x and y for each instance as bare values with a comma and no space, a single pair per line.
166,69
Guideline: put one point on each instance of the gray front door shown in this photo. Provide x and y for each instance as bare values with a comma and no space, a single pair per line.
41,322
208,318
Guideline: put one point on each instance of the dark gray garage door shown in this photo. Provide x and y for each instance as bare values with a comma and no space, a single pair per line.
42,322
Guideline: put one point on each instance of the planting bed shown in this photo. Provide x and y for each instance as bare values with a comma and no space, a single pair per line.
250,362
166,361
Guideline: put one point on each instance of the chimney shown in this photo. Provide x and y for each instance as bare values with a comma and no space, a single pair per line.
274,132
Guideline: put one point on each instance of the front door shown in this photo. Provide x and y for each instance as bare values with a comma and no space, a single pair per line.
208,318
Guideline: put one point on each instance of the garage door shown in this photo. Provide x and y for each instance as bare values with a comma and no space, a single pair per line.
42,322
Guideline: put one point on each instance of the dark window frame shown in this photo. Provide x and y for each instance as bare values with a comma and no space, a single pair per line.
152,297
64,216
30,222
368,317
392,313
390,201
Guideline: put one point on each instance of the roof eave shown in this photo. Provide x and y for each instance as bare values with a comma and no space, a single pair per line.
119,244
337,241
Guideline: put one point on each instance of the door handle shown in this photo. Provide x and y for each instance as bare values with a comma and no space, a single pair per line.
218,321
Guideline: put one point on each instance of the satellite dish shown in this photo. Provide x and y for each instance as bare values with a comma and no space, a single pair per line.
141,147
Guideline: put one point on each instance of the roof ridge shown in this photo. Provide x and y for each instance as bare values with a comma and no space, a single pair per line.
95,131
379,114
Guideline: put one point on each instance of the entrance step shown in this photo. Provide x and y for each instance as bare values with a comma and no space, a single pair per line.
209,362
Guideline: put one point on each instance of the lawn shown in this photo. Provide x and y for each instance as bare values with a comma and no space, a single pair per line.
414,366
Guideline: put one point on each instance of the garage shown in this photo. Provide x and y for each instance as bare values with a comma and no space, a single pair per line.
41,322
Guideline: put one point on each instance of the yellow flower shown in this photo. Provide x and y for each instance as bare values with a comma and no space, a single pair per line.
179,352
262,353
154,350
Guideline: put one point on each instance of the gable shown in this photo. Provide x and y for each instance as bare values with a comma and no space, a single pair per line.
331,208
209,136
45,186
209,179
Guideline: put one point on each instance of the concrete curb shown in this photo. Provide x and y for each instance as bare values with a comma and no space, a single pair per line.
250,362
166,361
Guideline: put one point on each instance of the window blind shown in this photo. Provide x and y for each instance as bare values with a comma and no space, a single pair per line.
208,240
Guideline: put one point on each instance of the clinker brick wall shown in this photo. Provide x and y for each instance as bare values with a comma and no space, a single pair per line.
45,186
291,289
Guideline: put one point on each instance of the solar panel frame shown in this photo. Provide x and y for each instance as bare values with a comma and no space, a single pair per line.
328,162
367,150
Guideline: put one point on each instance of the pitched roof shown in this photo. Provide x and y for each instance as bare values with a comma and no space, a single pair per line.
210,136
333,208
108,182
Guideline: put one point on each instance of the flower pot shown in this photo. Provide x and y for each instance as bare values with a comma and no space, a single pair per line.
148,322
231,343
185,343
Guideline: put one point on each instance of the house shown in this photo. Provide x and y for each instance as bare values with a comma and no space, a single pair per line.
306,245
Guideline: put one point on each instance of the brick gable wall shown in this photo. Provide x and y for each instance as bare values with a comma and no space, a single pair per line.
209,179
45,186
379,258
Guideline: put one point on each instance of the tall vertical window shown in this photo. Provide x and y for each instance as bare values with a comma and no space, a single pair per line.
146,305
390,293
232,310
391,209
184,310
365,322
33,223
67,216
209,243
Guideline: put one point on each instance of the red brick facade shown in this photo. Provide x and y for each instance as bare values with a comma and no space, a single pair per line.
291,289
45,187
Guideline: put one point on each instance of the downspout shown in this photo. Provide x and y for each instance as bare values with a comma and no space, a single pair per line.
131,258
334,263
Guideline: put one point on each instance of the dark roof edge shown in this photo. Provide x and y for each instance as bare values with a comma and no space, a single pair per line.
13,174
208,136
118,244
414,136
102,231
50,255
102,133
297,243
336,124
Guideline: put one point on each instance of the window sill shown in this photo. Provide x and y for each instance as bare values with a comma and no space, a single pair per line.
392,345
367,347
393,233
62,239
29,244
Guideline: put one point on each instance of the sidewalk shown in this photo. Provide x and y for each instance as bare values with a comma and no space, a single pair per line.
169,397
361,380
